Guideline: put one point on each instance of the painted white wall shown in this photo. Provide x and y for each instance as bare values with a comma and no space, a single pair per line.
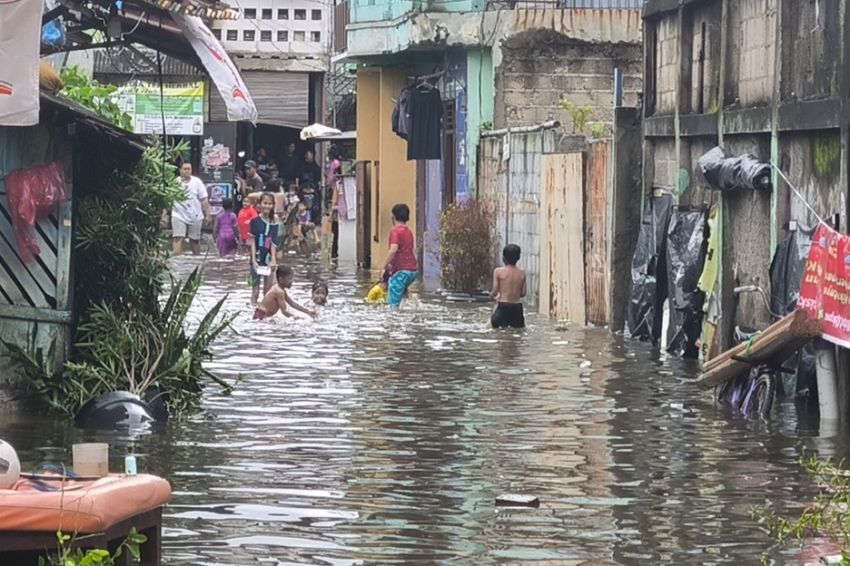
290,36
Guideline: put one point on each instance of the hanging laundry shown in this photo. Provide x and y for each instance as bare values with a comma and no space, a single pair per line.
20,25
424,137
401,118
33,194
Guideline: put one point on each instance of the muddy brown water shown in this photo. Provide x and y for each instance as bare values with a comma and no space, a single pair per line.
383,437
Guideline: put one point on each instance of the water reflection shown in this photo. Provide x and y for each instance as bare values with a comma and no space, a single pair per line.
379,437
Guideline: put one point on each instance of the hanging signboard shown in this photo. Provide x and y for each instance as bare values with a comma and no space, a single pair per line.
218,152
182,106
825,289
217,193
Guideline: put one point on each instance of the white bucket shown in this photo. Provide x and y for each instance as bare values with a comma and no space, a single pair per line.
91,459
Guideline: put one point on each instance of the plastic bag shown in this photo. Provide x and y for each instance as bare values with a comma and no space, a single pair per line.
686,248
727,173
786,275
53,32
33,194
649,271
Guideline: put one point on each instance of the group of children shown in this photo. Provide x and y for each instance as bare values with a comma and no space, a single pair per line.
258,231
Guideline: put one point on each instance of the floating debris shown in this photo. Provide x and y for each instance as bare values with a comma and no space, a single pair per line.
517,500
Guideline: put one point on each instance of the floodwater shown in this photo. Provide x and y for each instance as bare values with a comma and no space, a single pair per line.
383,437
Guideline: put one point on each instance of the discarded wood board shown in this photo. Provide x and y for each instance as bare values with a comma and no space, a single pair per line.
517,500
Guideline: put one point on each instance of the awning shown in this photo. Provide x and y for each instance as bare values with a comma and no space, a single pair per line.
350,135
86,117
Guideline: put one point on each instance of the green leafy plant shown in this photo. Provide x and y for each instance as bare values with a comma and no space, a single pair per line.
127,338
597,129
486,126
93,95
69,554
579,115
828,516
468,245
119,238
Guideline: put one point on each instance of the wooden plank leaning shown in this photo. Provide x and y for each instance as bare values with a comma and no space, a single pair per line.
772,347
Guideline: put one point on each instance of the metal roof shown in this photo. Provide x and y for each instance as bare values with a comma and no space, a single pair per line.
86,117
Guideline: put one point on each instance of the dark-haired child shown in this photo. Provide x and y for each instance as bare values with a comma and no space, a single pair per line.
320,293
278,299
509,288
265,234
226,229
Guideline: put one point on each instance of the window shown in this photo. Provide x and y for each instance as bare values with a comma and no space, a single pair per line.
283,14
282,35
298,36
250,13
232,35
267,13
265,35
316,14
300,14
248,35
316,36
216,33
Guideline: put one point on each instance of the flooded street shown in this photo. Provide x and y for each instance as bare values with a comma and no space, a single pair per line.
383,437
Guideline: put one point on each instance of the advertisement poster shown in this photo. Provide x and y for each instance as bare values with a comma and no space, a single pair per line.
183,107
825,289
218,192
218,153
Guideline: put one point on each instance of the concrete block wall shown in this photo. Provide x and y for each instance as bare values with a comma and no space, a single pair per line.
667,65
751,52
665,164
811,34
541,68
704,35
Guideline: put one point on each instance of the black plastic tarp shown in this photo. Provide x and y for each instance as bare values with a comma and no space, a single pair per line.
649,271
727,173
786,276
686,247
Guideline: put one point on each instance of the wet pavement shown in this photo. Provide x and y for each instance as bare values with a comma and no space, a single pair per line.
383,437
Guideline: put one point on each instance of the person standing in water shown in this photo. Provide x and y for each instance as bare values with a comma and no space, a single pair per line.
509,289
188,215
401,261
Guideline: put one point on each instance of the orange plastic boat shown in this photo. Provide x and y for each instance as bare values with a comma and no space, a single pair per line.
80,506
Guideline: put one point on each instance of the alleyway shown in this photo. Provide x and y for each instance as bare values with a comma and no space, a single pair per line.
380,437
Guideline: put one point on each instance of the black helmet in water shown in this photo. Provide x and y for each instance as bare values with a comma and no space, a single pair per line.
114,409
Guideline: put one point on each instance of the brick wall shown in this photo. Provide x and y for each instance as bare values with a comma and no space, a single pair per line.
541,68
752,25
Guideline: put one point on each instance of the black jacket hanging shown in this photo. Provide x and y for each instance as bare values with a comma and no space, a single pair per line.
401,118
424,135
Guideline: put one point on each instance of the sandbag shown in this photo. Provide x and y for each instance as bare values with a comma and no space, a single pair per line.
649,271
686,247
726,173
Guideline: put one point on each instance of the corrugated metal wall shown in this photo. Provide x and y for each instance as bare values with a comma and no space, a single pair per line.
555,206
282,98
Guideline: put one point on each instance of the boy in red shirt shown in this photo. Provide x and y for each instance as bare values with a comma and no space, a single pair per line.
244,218
401,262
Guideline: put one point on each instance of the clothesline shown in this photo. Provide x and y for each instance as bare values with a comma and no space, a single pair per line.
798,193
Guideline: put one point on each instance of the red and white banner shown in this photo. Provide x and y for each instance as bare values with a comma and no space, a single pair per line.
20,41
825,289
218,64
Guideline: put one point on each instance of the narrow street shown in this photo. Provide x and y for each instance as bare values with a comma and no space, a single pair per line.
381,437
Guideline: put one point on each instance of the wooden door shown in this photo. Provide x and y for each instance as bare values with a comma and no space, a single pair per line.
363,170
596,233
562,282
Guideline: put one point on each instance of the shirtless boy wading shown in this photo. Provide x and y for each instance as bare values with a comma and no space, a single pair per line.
278,299
509,289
